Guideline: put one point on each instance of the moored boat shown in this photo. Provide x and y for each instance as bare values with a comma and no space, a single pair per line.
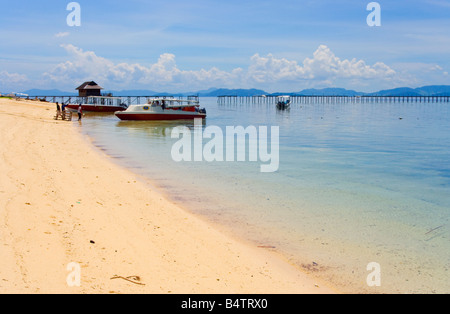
164,109
283,102
99,104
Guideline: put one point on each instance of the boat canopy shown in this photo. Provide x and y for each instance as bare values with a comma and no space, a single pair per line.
175,103
283,97
102,100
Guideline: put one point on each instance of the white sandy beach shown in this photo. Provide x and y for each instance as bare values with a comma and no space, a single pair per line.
61,202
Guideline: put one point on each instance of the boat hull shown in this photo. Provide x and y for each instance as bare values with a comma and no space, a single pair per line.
159,116
283,107
98,108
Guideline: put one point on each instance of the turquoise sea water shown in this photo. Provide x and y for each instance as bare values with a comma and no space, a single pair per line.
357,183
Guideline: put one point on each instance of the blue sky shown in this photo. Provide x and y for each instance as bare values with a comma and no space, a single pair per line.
174,45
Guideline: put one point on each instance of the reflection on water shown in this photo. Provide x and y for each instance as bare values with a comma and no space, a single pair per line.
358,183
156,128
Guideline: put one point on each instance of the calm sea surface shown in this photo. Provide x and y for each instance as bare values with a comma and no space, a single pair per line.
357,184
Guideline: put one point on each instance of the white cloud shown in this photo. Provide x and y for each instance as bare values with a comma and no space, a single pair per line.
416,74
86,65
12,81
324,68
62,34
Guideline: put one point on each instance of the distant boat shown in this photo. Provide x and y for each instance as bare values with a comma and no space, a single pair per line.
283,102
99,104
164,109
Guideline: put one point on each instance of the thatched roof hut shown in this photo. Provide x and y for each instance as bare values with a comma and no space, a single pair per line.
89,89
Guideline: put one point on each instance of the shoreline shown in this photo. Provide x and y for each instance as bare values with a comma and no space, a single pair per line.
63,202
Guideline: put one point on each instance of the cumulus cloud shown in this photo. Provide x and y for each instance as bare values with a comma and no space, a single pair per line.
86,65
323,67
12,81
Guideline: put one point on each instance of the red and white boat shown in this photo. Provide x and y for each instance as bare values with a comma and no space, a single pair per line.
99,104
164,109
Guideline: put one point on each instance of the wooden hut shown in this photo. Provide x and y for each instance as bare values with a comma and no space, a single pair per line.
89,89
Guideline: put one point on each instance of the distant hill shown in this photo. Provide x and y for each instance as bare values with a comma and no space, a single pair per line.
433,90
233,92
403,91
442,94
205,92
329,92
48,92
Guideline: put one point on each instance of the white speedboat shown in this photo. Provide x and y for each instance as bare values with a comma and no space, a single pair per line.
164,109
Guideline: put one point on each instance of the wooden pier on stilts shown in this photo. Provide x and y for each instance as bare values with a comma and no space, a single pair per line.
75,100
264,99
